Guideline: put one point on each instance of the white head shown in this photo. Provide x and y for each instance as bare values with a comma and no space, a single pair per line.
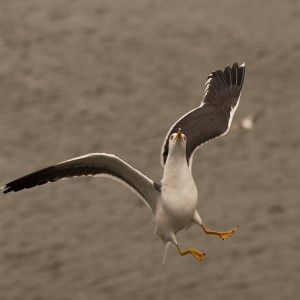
176,160
177,142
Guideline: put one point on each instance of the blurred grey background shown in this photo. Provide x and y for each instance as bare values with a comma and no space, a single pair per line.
81,76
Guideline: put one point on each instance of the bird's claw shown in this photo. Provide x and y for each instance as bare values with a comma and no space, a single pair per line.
196,253
225,234
199,255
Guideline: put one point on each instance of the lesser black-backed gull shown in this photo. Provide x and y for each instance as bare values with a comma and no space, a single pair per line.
174,200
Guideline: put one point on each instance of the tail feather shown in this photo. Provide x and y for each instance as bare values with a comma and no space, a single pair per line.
167,244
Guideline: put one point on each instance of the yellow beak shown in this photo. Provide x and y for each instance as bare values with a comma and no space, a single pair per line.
178,135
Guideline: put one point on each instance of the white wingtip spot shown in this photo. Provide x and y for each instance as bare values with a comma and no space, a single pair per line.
208,80
243,65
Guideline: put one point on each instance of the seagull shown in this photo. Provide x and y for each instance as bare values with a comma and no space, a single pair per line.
247,123
173,201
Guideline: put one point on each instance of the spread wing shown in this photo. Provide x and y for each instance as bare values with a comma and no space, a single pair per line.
94,164
214,115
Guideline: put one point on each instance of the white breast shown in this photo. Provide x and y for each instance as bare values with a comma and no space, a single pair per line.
178,201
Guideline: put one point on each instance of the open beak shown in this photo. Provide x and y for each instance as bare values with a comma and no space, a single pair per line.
178,135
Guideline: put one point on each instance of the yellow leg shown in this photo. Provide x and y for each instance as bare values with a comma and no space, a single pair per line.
196,253
222,234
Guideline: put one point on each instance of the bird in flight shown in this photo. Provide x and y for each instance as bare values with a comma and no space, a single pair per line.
173,201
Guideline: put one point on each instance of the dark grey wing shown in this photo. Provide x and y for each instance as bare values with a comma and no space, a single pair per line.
95,164
214,115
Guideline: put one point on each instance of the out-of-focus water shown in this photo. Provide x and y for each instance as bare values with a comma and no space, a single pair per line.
112,76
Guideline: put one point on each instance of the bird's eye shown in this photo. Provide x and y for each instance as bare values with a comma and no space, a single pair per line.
184,138
172,137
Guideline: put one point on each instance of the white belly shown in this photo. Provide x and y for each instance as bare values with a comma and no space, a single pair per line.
179,196
176,209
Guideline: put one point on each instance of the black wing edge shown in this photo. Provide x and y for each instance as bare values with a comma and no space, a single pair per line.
31,180
229,81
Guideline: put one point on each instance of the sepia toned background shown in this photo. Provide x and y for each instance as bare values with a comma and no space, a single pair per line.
111,76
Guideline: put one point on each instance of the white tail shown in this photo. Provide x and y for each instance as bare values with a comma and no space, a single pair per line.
165,252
